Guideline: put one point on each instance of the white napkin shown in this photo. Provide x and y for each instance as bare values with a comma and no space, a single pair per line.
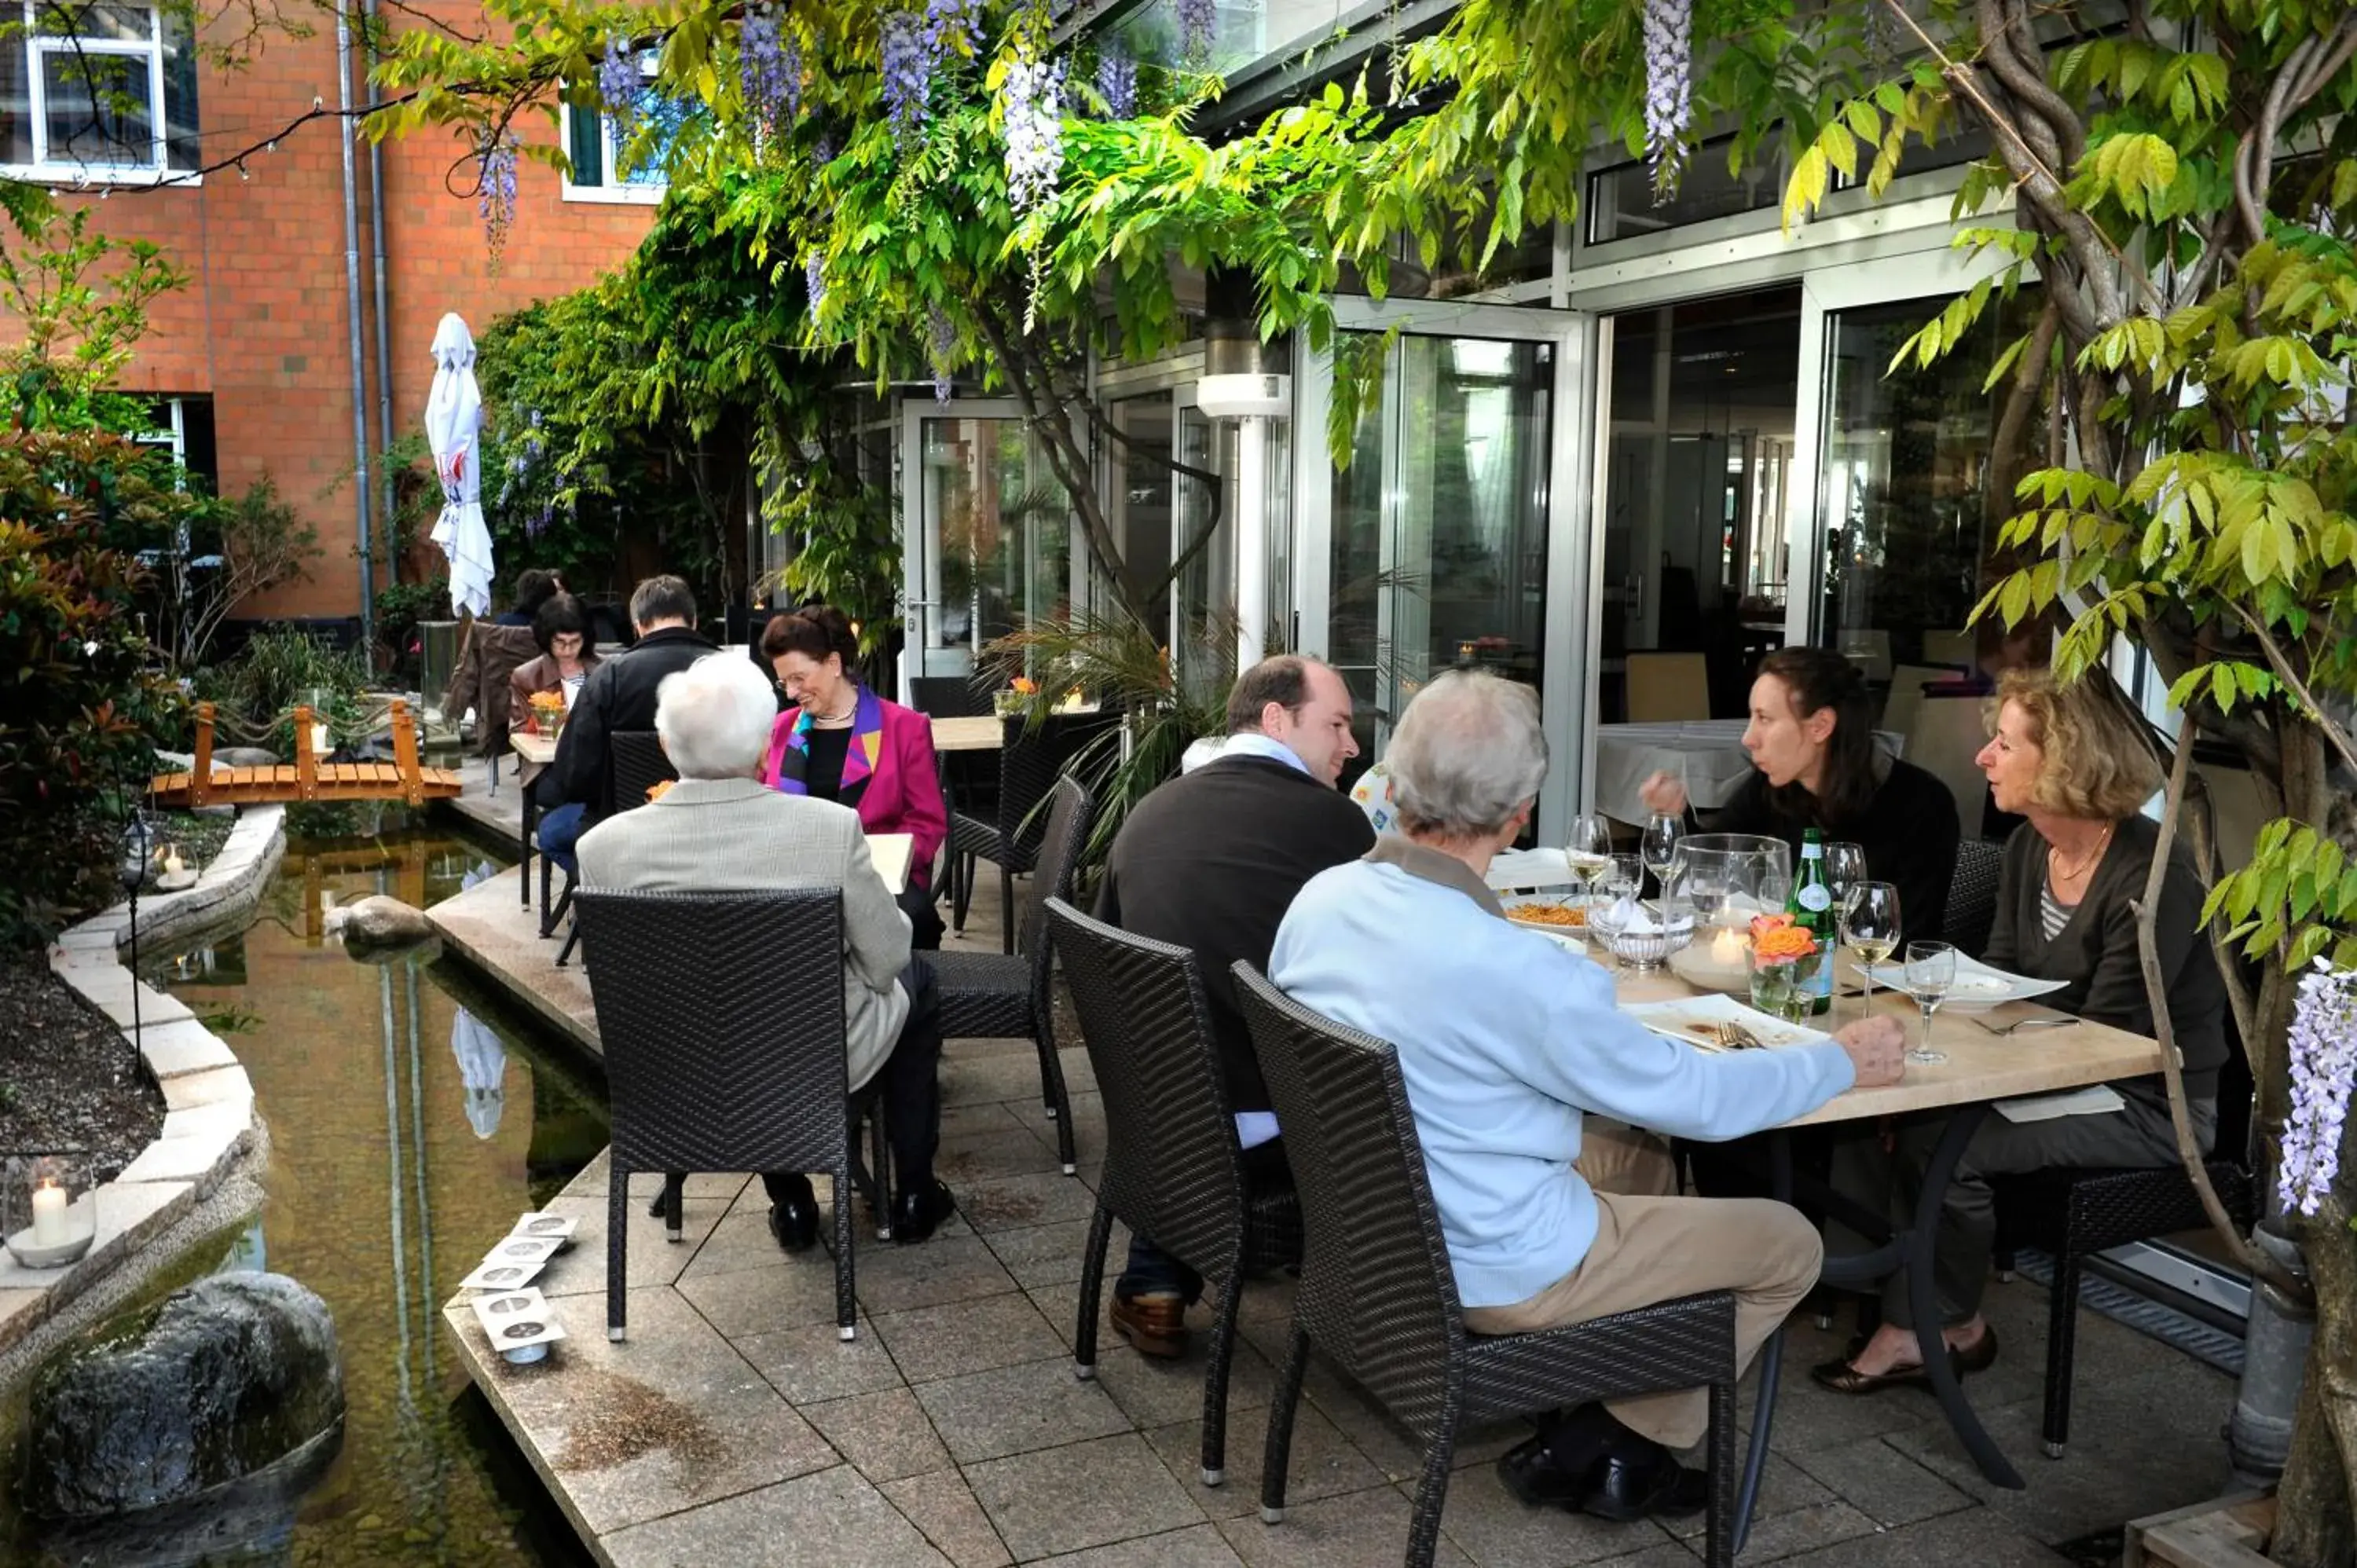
2093,1100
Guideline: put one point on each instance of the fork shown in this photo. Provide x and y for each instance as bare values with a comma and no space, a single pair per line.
2035,1021
1734,1036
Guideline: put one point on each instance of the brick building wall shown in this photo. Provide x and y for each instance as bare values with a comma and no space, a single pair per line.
264,326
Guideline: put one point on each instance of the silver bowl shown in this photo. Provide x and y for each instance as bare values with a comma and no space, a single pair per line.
1642,949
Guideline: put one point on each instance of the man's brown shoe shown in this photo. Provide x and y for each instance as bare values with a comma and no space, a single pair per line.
1155,1322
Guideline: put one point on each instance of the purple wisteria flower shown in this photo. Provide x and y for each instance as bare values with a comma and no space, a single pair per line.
2323,1062
906,64
944,353
496,189
1199,20
618,83
1669,89
1032,122
822,152
949,22
769,66
1117,81
815,280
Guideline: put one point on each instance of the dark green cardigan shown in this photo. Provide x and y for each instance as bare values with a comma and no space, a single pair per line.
2096,949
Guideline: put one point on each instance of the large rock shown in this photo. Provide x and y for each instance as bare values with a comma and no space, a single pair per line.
243,756
377,922
220,1381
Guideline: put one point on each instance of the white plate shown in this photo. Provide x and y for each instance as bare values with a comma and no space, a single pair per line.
1689,1019
1978,986
1572,937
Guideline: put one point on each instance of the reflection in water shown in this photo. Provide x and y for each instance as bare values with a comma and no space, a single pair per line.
392,1168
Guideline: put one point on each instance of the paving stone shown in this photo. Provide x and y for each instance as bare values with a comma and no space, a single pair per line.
1012,1410
1154,1392
1372,1431
1322,1463
1197,1546
1784,1489
743,1239
182,1046
886,1435
229,1117
154,1007
967,1336
1348,1532
1882,1482
199,1158
1041,1256
215,1086
1010,1203
793,1292
649,1259
1669,1554
815,1363
1487,1522
1081,1495
826,1521
1974,1536
945,1269
994,1156
671,1419
940,1506
21,1311
1088,1122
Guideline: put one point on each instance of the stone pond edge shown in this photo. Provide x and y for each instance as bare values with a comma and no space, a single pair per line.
209,1117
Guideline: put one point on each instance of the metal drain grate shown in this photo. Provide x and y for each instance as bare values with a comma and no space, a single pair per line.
2147,1317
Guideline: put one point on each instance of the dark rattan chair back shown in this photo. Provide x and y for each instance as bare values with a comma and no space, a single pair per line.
1069,812
1172,1167
948,697
639,765
732,1062
1377,1294
1971,897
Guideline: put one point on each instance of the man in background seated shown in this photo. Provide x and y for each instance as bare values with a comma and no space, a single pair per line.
1507,1044
619,695
719,830
1210,860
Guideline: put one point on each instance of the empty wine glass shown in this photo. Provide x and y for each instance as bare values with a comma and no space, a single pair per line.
1623,876
1845,872
1589,848
1870,924
1773,886
1660,846
1930,971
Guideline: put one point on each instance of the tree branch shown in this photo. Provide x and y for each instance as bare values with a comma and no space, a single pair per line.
2156,985
2333,733
1204,477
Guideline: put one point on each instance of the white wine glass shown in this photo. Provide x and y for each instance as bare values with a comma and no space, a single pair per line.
1845,872
1660,846
1870,924
1930,971
1588,849
1623,876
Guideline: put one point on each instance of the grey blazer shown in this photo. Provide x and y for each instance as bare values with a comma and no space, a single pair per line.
733,835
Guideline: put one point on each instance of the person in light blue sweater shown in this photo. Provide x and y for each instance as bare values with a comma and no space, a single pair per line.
1508,1044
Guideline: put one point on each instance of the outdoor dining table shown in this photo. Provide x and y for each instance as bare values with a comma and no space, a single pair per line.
979,732
1707,754
540,750
1981,1067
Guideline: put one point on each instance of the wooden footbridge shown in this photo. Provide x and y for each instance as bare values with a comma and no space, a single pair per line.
308,779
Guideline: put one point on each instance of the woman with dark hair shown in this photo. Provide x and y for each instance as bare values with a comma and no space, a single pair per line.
534,588
568,651
841,742
1816,765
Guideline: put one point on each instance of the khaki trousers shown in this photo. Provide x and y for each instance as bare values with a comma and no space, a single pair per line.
1651,1247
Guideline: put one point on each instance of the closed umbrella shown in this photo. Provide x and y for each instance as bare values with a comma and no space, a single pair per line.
454,422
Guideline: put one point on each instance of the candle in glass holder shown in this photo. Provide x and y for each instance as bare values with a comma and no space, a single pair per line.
319,740
173,864
1729,947
49,1215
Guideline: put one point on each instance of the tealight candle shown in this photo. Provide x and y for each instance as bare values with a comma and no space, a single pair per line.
173,864
49,1215
319,740
1729,947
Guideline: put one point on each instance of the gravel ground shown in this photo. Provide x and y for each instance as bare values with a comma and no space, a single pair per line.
68,1079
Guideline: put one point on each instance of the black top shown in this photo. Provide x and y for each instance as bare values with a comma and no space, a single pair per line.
823,773
2096,950
1211,861
619,695
1908,830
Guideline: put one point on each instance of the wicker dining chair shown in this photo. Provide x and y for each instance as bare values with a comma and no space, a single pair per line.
1030,762
1000,997
1173,1168
635,765
1971,897
733,1062
1379,1300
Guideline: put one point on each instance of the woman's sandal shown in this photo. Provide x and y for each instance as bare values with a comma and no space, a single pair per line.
1842,1378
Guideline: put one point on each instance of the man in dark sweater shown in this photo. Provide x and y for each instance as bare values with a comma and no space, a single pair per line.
619,695
1211,861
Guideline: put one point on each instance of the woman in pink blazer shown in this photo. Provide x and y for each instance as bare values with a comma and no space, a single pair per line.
842,742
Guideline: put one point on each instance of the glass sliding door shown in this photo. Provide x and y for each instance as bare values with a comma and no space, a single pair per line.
987,537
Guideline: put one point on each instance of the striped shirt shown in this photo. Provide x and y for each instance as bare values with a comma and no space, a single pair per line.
2052,913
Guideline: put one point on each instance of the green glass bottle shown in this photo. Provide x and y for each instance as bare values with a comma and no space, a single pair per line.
1812,908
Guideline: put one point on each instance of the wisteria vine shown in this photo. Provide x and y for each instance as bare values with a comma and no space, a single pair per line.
2323,1063
1669,89
944,354
1117,80
815,280
618,79
907,64
770,67
1199,20
496,188
1031,114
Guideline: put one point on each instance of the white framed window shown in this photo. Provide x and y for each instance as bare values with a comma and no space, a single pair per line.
622,160
97,92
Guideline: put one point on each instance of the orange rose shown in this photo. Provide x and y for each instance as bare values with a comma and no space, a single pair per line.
1763,924
1023,684
1783,942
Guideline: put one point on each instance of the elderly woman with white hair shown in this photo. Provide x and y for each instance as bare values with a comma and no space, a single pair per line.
1508,1043
720,830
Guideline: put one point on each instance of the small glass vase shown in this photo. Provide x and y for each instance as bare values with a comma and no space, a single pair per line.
1009,704
48,1213
1786,988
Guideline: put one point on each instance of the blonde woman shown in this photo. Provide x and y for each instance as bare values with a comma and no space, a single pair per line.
2070,760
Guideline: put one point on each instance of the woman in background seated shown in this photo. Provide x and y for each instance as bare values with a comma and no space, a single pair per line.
568,651
2069,760
842,742
1816,765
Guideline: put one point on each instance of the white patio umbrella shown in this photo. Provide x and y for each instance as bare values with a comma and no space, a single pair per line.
454,421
